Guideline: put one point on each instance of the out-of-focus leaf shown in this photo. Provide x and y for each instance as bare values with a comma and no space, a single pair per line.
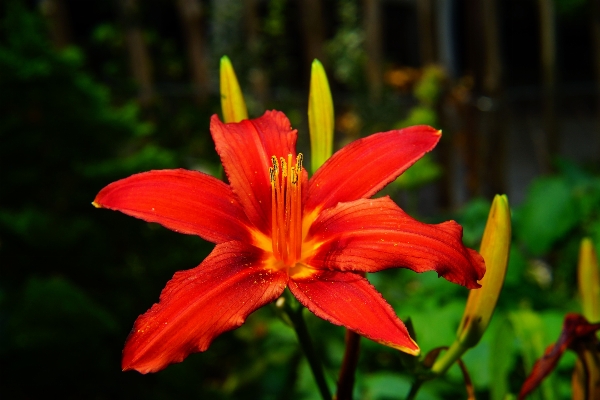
473,218
517,265
419,115
386,385
420,173
147,158
529,331
429,87
503,349
57,325
52,308
547,214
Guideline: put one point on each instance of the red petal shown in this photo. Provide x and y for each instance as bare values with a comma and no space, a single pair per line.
348,299
199,304
246,149
370,235
185,201
365,166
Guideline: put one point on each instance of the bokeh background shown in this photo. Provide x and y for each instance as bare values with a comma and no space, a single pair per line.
93,91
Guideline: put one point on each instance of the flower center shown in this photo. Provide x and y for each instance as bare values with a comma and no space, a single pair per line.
286,204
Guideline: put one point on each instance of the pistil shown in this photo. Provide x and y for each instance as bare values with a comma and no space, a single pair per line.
286,204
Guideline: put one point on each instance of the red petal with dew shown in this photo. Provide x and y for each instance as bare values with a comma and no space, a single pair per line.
199,304
370,235
246,149
348,299
365,166
185,201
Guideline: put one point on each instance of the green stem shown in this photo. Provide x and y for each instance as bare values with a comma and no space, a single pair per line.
441,365
346,380
305,341
414,389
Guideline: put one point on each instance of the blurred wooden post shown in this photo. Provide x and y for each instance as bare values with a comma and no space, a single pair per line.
471,140
56,14
373,47
426,33
548,67
259,82
493,119
139,59
595,31
311,18
446,37
190,12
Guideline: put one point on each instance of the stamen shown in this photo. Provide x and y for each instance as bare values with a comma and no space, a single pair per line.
286,208
298,207
274,174
299,160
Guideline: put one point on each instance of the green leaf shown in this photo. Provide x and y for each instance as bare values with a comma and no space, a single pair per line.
530,331
503,349
548,213
420,173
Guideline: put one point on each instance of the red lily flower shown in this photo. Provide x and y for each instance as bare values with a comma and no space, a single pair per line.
273,227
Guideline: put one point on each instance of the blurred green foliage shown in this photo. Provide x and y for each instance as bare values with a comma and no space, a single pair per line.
346,47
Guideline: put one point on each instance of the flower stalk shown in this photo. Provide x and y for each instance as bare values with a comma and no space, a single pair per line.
294,312
349,364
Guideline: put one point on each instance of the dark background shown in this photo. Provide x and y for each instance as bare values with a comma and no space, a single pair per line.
91,92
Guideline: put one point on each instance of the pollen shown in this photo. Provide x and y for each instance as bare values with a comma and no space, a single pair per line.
286,210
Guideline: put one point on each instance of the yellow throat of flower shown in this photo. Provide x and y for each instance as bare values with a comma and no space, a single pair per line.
286,201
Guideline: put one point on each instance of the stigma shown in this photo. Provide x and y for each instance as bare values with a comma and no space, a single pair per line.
286,206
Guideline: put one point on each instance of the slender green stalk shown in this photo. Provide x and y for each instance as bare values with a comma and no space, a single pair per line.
299,325
449,357
440,365
348,370
414,389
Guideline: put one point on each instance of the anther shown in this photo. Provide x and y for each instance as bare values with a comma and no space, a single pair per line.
272,174
294,176
299,159
283,167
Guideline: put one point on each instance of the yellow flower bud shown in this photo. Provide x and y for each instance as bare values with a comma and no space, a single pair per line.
495,248
320,116
589,282
232,101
